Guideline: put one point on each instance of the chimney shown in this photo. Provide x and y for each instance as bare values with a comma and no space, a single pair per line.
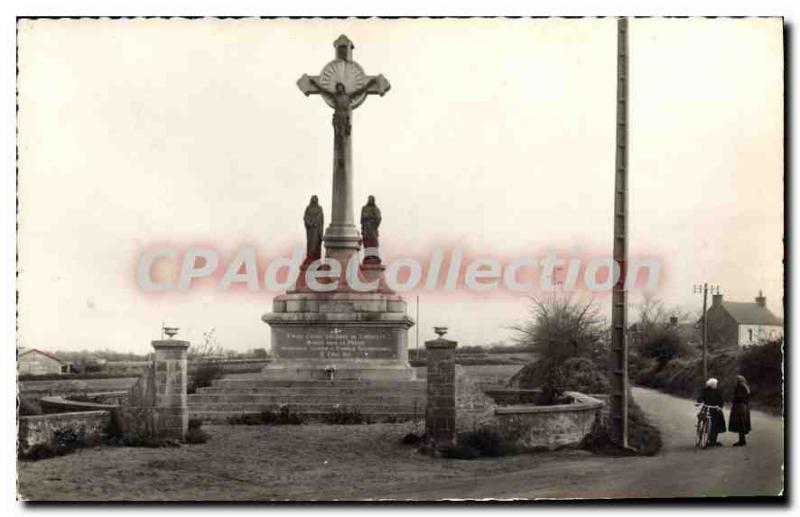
716,300
761,300
673,320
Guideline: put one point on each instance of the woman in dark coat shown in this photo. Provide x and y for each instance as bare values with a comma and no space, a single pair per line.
711,396
740,411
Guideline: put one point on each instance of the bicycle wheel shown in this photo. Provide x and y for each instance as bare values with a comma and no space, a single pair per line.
702,433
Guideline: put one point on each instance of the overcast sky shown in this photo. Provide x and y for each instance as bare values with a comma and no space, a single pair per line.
497,135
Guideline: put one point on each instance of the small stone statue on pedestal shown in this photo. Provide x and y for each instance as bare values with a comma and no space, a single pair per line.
370,221
314,220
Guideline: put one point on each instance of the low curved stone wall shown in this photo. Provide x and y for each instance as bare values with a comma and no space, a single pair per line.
58,404
548,427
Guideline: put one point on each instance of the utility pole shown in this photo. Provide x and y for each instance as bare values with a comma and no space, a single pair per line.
618,355
416,345
704,290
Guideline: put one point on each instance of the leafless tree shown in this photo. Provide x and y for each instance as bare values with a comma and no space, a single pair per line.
203,358
561,327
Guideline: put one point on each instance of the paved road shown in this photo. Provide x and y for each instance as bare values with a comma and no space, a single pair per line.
679,470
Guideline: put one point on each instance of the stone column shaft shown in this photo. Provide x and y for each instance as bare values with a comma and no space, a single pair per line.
170,411
342,238
440,414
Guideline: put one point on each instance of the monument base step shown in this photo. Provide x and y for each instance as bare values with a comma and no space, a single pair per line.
224,417
345,371
377,400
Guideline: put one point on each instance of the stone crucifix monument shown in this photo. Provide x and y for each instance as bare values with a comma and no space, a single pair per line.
345,325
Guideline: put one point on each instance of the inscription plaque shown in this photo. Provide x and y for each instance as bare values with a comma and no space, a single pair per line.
335,343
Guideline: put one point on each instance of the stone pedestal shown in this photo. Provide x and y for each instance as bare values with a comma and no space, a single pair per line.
170,411
339,336
440,414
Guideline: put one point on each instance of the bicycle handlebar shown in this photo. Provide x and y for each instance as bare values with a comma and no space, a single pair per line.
708,406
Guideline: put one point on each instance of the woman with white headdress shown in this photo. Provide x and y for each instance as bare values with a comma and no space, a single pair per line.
711,396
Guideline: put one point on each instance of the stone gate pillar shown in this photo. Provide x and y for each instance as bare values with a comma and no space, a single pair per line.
170,409
440,414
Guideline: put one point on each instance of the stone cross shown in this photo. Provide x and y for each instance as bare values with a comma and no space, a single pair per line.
344,86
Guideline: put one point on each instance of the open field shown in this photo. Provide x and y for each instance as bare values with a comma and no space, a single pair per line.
483,373
44,388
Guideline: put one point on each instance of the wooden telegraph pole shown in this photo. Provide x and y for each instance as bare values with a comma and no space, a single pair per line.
416,344
704,290
618,407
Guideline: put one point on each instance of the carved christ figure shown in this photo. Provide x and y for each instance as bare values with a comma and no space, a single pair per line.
314,221
342,103
342,110
370,221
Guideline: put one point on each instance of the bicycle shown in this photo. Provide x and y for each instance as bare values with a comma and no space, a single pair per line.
704,425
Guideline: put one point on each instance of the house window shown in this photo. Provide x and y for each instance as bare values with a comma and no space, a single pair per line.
750,333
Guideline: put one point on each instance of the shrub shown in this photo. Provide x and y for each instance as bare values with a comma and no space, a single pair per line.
283,416
663,344
642,434
65,441
113,429
115,436
245,419
202,358
639,366
581,374
137,439
41,451
643,437
205,374
477,444
195,434
29,407
412,439
576,374
345,416
69,438
762,366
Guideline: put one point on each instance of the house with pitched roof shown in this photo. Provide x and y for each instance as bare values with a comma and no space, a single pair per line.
31,361
742,323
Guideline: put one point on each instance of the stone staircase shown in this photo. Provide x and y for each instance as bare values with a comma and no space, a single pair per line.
382,400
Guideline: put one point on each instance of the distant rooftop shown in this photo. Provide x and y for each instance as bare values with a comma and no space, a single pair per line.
26,351
750,313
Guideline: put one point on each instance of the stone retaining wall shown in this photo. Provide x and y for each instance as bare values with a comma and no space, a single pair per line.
474,409
548,427
44,430
457,403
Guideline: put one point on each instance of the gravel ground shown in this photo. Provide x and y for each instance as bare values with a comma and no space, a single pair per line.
307,462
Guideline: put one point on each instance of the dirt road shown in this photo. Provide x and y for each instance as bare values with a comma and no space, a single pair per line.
679,470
